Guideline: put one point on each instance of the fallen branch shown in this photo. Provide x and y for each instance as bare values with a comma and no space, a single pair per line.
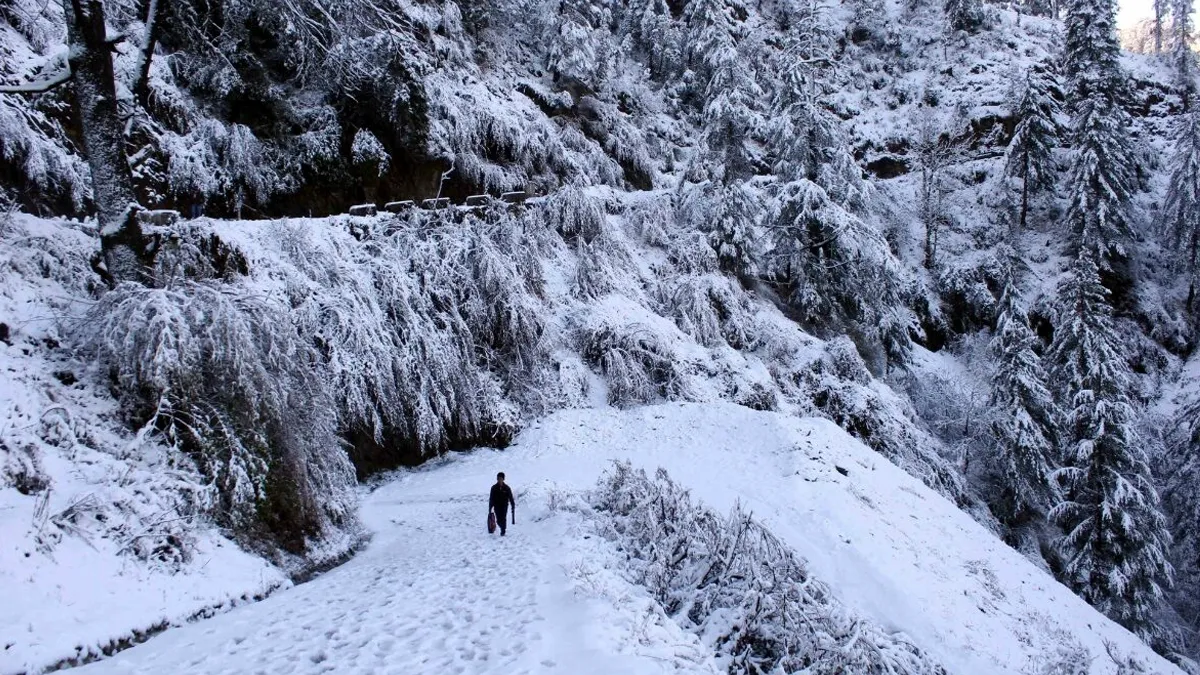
40,86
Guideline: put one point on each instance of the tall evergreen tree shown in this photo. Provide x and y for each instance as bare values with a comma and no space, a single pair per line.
1025,426
1181,497
731,115
1182,33
710,32
1181,209
1162,10
1103,179
836,266
1030,154
1116,540
1106,168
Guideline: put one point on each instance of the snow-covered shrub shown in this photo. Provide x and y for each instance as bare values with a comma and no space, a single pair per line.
574,214
366,149
708,308
21,467
637,360
955,408
1069,659
844,361
593,275
689,252
747,595
647,218
219,374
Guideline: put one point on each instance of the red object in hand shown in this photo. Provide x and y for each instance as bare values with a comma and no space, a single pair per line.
491,522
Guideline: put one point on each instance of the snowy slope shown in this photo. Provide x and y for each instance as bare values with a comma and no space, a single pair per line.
433,592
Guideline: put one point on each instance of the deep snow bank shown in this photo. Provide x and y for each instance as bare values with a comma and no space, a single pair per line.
886,544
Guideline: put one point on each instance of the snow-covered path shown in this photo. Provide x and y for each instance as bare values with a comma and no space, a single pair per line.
432,593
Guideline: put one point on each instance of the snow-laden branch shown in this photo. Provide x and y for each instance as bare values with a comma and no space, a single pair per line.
39,86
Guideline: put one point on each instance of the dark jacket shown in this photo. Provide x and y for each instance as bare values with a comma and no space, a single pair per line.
500,498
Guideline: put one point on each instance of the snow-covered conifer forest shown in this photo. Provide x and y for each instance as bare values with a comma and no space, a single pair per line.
899,294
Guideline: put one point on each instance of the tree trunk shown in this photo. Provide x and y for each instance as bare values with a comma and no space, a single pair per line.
1025,193
121,240
153,23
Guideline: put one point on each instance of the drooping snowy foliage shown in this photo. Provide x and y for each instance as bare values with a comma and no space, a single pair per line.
1180,471
1116,542
737,586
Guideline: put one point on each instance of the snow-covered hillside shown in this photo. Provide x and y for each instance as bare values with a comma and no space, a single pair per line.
965,232
435,591
640,315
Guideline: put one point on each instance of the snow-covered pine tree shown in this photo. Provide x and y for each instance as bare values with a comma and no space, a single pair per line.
735,214
1181,498
1106,168
1116,542
1025,422
1184,59
806,138
1040,7
963,15
836,266
1030,154
651,35
731,116
1181,208
1162,11
577,45
1103,179
710,31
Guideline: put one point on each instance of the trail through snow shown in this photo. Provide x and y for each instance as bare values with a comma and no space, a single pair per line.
434,593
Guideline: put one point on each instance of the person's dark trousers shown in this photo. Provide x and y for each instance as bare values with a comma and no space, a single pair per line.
502,520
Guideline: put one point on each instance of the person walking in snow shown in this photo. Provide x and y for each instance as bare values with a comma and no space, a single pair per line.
499,500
